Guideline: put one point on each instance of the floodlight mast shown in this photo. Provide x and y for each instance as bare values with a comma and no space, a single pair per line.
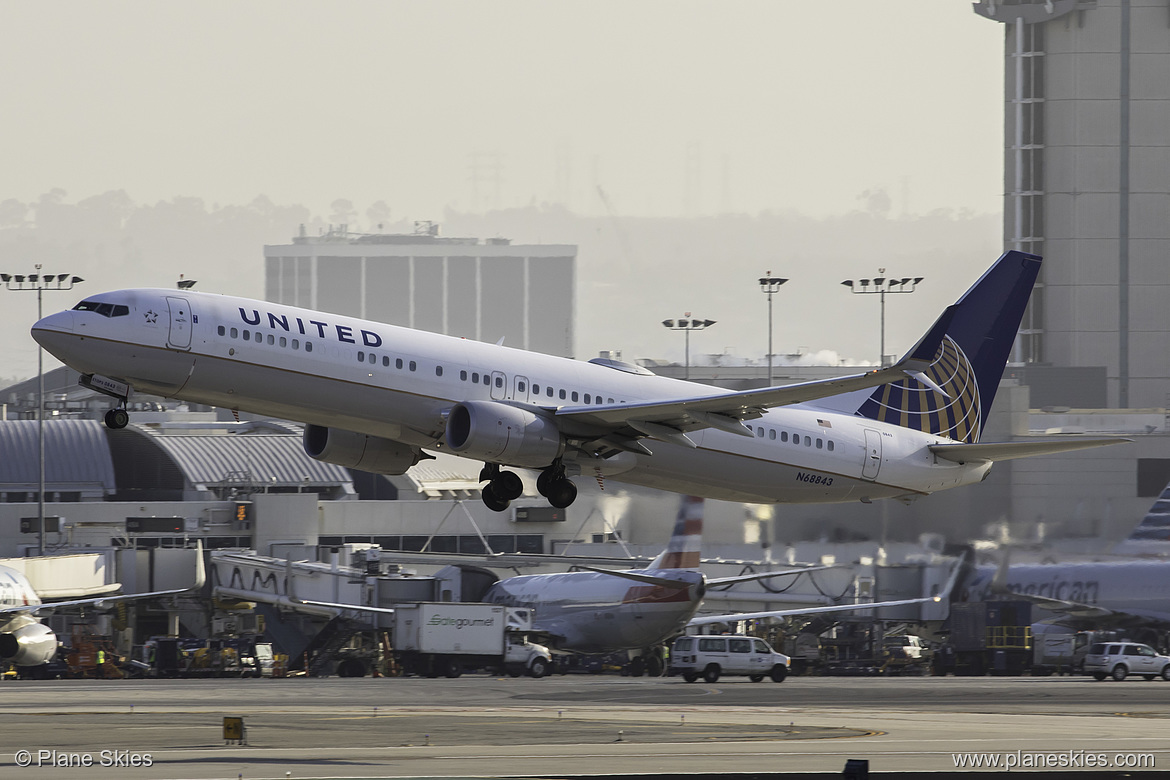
686,325
40,282
770,285
881,286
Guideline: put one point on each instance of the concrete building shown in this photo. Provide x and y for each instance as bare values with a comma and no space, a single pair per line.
487,291
1087,185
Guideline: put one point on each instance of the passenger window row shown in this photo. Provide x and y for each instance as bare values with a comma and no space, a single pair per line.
795,438
488,380
258,337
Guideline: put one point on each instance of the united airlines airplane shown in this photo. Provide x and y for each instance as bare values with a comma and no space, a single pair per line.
374,397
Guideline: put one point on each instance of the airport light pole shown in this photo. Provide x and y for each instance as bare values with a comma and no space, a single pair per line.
769,285
882,285
686,326
40,282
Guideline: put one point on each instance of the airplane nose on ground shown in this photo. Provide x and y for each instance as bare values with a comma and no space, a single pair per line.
61,322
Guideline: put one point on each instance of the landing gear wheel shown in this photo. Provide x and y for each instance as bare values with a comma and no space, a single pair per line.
493,501
562,493
508,485
654,666
637,666
117,419
544,481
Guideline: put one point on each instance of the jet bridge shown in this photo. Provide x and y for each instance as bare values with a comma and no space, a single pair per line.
295,585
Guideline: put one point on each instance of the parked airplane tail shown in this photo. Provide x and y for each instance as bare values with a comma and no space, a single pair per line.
969,363
1153,532
685,542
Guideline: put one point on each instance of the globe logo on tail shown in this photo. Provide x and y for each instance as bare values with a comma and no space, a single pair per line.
911,404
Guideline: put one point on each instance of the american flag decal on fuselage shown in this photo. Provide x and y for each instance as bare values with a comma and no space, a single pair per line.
911,404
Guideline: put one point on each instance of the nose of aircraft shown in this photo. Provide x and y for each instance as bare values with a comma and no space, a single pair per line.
61,322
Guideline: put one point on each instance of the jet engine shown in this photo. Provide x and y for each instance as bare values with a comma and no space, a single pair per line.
500,433
30,644
359,451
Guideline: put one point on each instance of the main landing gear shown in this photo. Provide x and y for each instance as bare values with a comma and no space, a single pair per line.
505,486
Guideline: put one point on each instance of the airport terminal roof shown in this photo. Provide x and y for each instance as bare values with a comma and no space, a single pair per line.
261,459
77,455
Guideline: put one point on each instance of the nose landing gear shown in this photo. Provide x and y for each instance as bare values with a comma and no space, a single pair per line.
117,419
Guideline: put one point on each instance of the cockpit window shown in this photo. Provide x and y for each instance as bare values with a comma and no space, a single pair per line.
104,309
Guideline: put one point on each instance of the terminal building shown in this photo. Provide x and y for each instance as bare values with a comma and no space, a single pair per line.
483,290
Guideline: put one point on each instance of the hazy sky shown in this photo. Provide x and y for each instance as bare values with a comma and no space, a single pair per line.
672,107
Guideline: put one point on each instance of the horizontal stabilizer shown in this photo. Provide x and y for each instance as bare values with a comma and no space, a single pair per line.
1010,450
646,579
716,581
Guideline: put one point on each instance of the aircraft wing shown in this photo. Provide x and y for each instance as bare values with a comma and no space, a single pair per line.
670,420
100,601
350,607
1072,609
946,592
705,619
1010,450
95,601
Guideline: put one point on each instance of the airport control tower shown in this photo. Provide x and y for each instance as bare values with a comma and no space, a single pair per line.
1087,185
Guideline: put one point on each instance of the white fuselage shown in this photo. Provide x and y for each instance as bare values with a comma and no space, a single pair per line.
398,383
592,612
1138,588
16,590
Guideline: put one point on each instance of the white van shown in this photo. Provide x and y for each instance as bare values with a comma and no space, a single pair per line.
710,657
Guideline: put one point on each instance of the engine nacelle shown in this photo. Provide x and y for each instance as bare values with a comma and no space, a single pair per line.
359,451
500,433
30,644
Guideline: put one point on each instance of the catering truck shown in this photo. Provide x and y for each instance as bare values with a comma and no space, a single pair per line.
447,638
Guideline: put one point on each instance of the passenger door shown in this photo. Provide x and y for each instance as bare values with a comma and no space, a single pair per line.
179,336
873,455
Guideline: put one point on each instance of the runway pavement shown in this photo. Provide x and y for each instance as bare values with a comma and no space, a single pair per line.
479,726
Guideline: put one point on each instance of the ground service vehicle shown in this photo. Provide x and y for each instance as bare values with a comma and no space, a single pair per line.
710,657
1121,659
446,638
991,636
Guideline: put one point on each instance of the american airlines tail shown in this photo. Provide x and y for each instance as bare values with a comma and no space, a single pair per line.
1152,534
686,540
970,361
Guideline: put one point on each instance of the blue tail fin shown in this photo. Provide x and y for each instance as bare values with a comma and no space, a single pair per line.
970,361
